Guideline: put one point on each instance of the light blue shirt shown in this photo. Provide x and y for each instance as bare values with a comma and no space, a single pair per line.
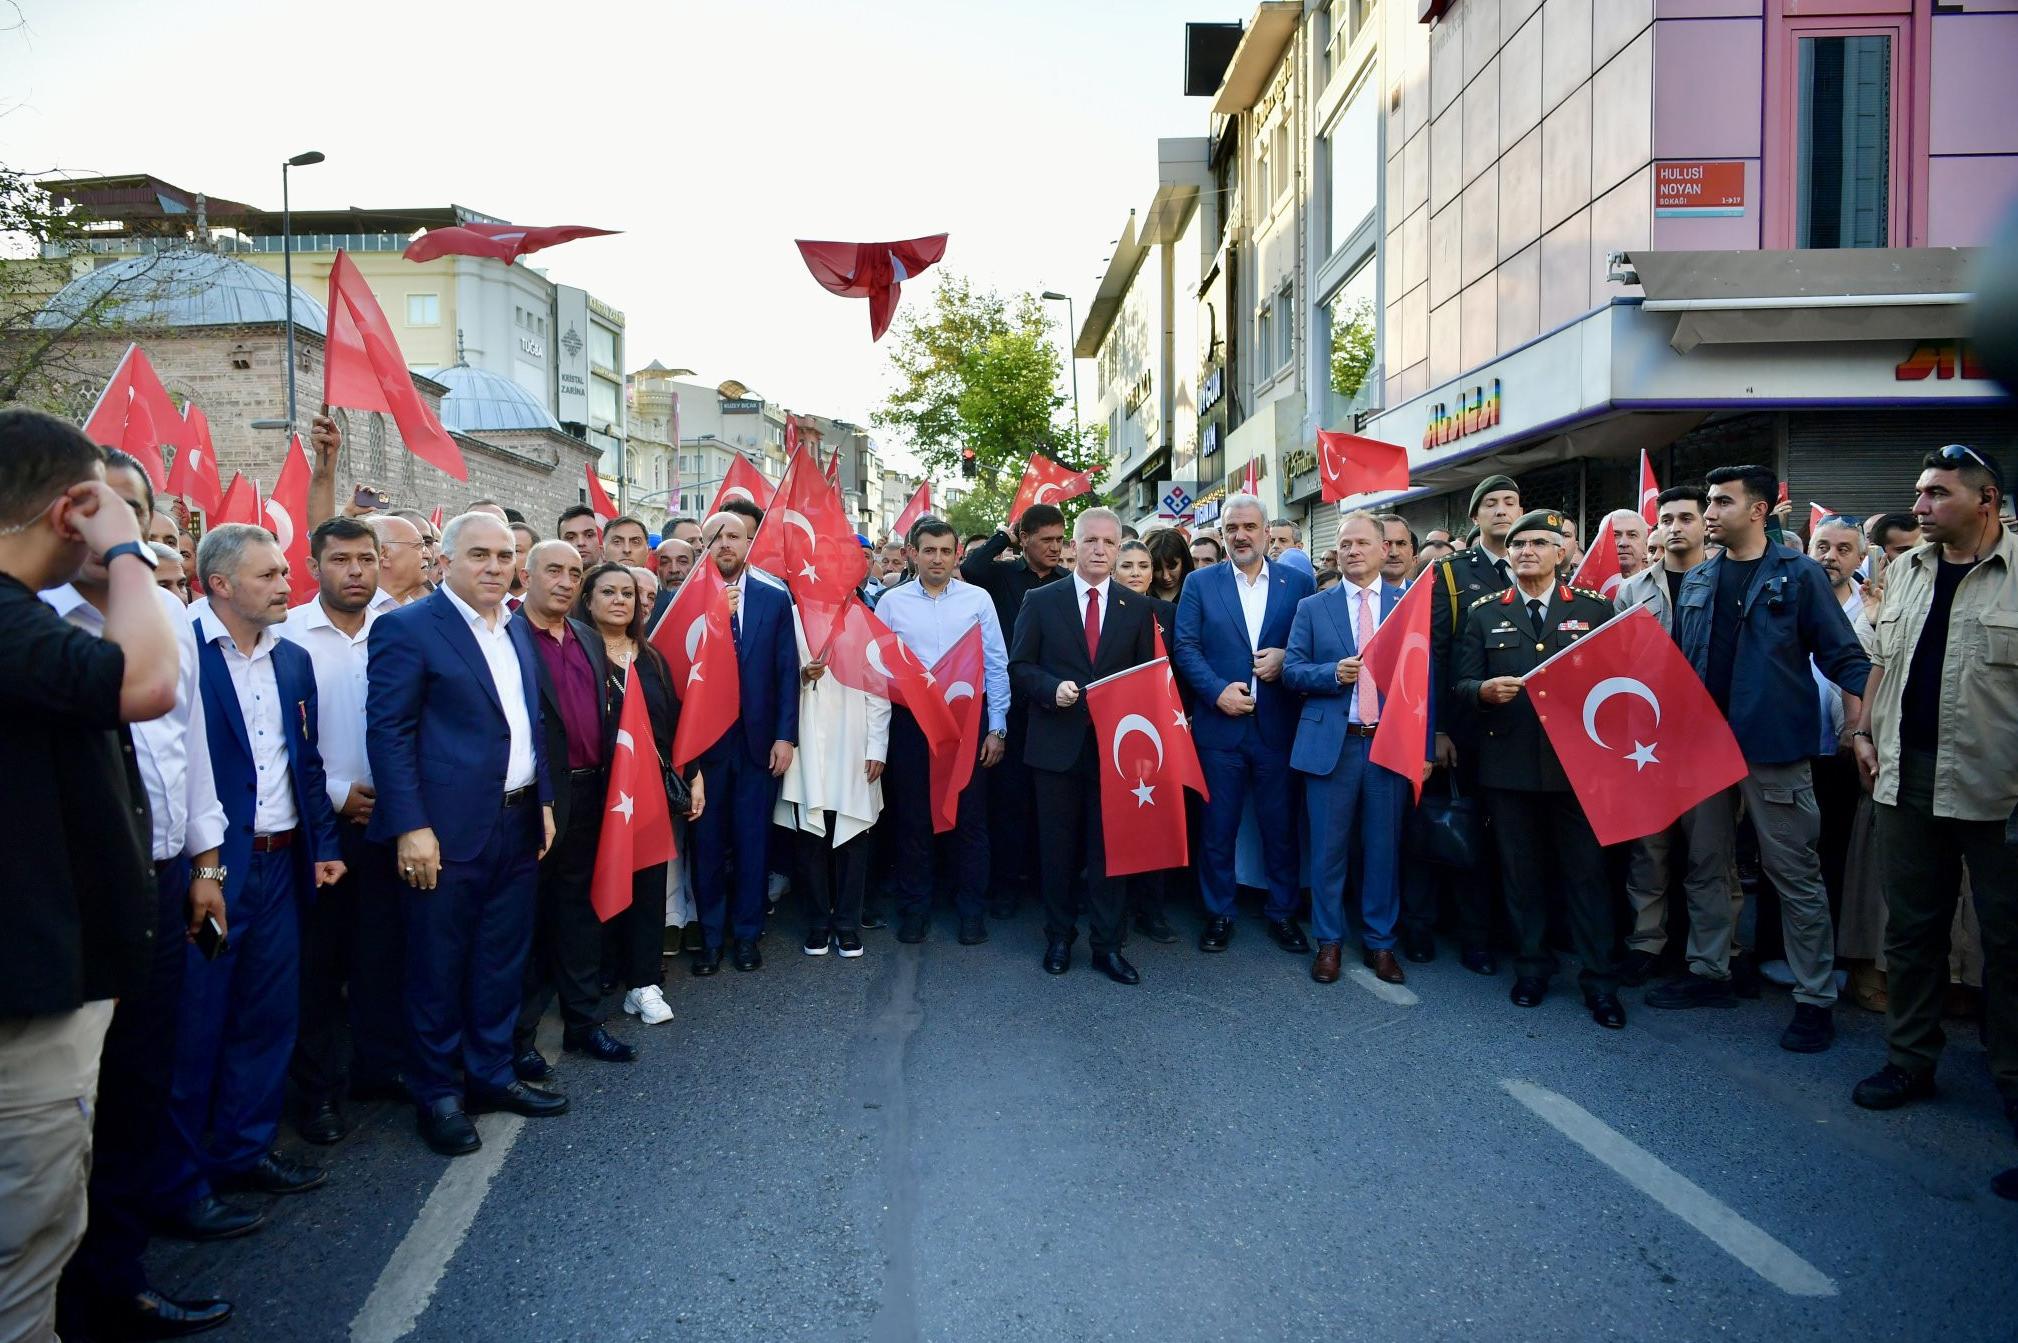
930,625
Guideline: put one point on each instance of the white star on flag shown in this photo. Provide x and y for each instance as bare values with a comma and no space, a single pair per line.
623,806
1145,795
1181,720
694,674
1642,755
808,571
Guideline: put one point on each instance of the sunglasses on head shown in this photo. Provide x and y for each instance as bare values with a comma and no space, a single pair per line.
1957,454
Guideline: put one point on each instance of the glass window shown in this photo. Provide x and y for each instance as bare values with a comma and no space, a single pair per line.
1264,338
1352,154
1280,155
602,345
1264,188
423,309
1285,325
1353,383
1843,191
602,401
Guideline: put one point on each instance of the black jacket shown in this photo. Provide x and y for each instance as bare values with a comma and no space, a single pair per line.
1006,584
551,724
1497,639
1473,574
1050,647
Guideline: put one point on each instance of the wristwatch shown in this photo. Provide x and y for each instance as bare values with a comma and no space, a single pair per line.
215,874
134,548
999,734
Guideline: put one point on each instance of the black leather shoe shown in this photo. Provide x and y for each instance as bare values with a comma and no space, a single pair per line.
598,1043
1479,961
323,1124
152,1315
1418,948
529,1065
1745,979
446,1127
707,961
1116,967
1606,1010
1288,936
747,956
1218,935
1891,1087
911,928
1058,956
872,917
1690,990
973,932
520,1098
1637,968
1812,1030
275,1174
211,1218
1156,928
1528,991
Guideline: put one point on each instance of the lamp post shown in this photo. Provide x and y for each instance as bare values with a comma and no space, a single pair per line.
287,271
1071,324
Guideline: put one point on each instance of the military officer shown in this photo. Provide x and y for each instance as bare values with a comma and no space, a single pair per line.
1543,837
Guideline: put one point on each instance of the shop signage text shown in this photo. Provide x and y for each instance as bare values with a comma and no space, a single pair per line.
1697,190
1939,359
1211,389
742,405
1476,409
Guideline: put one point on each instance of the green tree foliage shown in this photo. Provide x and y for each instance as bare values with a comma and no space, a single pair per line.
1351,348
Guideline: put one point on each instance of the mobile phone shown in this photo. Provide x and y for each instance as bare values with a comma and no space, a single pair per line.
210,938
369,497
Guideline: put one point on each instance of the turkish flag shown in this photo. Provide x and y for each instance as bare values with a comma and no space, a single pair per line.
1250,481
1046,482
1147,760
240,503
743,482
500,242
599,498
1348,464
140,440
807,540
193,475
702,652
363,369
1650,492
791,433
1599,571
434,520
1397,658
865,654
920,505
1638,735
961,674
285,514
872,270
1816,513
834,468
134,381
637,824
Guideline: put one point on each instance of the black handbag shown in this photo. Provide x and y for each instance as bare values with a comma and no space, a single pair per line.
1446,828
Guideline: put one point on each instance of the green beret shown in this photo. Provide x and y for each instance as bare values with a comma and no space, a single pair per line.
1541,520
1487,486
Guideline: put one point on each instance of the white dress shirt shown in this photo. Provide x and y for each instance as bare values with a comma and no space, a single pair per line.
1362,630
1080,587
340,685
930,625
265,718
500,654
1253,609
173,753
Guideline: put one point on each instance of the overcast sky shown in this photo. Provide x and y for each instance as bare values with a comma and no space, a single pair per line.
712,133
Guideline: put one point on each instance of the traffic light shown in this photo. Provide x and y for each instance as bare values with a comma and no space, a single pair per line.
968,466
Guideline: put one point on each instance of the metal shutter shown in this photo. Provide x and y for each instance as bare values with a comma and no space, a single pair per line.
1865,462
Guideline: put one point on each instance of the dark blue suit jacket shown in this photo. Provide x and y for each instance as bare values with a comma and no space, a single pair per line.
237,777
1212,653
1320,635
767,660
435,731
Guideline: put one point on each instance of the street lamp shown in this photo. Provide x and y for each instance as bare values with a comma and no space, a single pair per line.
1071,324
287,271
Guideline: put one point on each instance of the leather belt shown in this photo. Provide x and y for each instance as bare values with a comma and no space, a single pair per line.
518,795
1361,729
268,843
592,772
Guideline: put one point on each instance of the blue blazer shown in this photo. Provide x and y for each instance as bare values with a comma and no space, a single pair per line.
1212,653
1319,636
767,662
435,731
238,778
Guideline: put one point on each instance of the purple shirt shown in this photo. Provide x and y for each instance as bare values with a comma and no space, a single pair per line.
575,687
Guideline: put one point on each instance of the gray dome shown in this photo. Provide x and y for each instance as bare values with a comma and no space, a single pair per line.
183,288
479,399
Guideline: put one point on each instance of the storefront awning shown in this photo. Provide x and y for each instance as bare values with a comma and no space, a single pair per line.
1797,297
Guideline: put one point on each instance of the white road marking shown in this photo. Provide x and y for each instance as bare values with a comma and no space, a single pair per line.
1674,1191
408,1281
1379,988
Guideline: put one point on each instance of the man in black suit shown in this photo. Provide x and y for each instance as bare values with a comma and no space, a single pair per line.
1068,635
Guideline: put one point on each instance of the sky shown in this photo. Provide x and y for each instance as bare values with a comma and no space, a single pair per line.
712,134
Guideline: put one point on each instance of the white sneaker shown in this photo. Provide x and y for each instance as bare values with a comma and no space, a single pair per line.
648,1005
1777,972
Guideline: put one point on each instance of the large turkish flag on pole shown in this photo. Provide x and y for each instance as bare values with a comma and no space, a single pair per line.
961,673
1650,493
743,482
363,369
1147,760
699,644
865,654
808,535
1046,482
1348,465
1397,658
600,502
1638,735
1599,571
920,505
637,824
193,474
285,513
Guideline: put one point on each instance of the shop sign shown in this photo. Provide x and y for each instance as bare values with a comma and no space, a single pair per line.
1475,410
1176,500
742,405
1939,359
1693,189
1212,389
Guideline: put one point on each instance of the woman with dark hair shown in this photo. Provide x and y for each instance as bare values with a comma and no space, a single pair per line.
609,601
1169,562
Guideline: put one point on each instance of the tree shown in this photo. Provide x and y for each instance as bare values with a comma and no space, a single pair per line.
1352,337
979,370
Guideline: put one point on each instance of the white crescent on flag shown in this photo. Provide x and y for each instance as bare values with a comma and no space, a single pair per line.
959,690
794,518
624,740
1604,690
874,652
738,492
1132,723
695,632
1040,496
283,525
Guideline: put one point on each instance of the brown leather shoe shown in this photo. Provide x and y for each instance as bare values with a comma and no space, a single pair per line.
1385,967
1325,968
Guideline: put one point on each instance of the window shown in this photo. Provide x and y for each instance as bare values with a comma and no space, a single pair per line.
1264,337
1352,164
1844,154
1352,381
602,346
423,309
1346,20
1264,188
1285,324
602,401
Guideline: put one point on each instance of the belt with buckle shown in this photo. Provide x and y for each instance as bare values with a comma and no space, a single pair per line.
268,843
592,772
1361,729
518,795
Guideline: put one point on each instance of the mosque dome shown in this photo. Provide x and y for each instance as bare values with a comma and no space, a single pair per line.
182,288
479,399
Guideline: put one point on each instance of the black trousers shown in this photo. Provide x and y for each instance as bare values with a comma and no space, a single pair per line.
1545,843
830,881
1837,790
641,931
907,811
1428,889
567,950
353,967
1011,805
1069,839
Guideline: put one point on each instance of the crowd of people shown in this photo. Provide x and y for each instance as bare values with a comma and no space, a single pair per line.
272,858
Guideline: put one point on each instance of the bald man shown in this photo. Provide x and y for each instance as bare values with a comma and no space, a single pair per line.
675,561
402,562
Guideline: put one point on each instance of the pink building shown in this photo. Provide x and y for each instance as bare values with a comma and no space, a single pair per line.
1722,230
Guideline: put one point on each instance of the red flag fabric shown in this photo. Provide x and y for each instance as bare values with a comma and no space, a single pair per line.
1348,464
834,468
500,242
240,503
1599,571
791,433
363,369
1650,493
134,379
862,652
599,498
637,822
140,440
807,539
285,514
193,476
1397,658
1147,760
706,671
872,270
434,519
961,673
920,505
1637,733
1816,513
743,482
1046,482
1250,483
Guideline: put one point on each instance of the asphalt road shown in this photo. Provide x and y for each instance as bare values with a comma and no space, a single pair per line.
942,1142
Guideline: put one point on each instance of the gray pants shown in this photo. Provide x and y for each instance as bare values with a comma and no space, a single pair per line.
1780,799
1706,883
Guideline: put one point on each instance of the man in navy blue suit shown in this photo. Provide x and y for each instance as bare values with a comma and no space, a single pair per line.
238,1012
732,838
1348,795
1232,623
453,735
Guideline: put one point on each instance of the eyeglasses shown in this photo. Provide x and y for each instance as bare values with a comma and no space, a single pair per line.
1531,543
1955,454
